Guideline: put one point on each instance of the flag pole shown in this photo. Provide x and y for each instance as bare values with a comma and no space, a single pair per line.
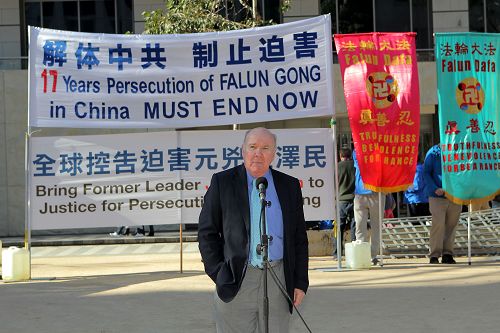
27,194
333,126
381,217
180,242
469,235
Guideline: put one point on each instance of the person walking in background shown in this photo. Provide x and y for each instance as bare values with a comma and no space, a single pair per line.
121,231
389,206
228,234
347,180
366,205
445,213
416,196
142,231
139,232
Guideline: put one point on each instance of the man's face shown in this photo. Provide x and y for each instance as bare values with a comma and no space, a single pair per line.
258,152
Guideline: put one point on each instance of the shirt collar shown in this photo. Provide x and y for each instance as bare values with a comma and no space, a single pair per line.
250,179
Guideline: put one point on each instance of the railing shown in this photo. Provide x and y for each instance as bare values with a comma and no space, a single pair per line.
409,236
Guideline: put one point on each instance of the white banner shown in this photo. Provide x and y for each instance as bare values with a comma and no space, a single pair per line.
159,178
171,81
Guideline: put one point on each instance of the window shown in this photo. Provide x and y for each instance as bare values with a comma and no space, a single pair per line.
270,10
99,16
478,9
476,15
267,9
60,15
392,15
492,16
330,7
106,16
422,23
352,15
356,16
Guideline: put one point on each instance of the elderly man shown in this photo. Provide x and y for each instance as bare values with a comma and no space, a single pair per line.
228,234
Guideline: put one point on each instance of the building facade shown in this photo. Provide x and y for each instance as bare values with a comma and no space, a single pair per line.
120,16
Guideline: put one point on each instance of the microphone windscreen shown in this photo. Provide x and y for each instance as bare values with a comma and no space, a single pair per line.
261,181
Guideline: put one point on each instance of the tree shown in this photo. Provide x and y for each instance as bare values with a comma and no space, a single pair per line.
191,16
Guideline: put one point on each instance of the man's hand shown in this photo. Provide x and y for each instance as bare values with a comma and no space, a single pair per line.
298,296
439,191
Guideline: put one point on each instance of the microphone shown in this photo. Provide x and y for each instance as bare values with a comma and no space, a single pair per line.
261,184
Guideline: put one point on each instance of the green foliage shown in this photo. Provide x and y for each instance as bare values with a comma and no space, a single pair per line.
191,16
285,5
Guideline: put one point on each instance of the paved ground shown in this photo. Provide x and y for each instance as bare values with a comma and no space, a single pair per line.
138,288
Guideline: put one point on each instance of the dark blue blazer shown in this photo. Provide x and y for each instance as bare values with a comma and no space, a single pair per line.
224,229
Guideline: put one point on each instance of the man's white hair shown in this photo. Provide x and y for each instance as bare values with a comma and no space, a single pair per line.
275,138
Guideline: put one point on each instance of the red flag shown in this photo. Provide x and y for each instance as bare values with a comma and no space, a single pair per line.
380,76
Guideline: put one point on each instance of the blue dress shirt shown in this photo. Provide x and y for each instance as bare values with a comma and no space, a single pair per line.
274,217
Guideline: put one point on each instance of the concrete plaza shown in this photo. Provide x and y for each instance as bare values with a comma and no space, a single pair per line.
138,288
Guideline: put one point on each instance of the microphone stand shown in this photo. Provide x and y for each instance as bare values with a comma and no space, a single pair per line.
263,248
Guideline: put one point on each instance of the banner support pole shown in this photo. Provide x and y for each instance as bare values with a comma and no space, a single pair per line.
27,195
333,123
180,242
469,254
381,217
